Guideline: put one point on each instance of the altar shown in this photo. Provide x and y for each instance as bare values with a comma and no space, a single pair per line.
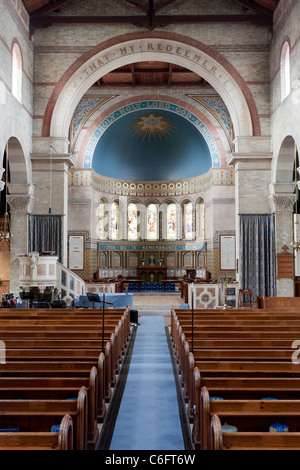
212,295
152,273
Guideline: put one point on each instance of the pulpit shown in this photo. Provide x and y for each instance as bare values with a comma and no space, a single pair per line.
37,271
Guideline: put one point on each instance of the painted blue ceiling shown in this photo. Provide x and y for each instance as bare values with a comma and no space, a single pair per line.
179,152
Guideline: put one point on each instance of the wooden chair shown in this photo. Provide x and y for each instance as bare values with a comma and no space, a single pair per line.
243,292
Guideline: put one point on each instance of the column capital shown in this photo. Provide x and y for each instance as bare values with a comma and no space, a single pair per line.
21,198
282,197
282,202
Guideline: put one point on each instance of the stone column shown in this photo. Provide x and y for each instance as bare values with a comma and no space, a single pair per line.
50,170
21,202
252,163
282,202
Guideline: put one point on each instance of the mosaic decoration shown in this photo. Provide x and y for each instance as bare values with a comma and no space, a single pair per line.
153,105
85,108
152,127
218,108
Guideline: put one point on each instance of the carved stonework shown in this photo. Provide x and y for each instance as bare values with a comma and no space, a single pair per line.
21,203
282,202
2,183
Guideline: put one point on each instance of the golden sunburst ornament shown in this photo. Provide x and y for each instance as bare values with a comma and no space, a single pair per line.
151,126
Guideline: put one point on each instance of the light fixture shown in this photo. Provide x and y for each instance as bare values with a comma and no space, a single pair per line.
296,244
5,234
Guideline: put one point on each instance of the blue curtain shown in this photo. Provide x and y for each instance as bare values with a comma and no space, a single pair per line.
257,262
45,234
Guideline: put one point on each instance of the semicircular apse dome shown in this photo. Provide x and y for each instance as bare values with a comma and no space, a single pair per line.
151,145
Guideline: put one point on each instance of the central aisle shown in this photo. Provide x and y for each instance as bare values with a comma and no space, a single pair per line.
148,417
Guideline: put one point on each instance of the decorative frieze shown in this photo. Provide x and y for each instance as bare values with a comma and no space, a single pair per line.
88,177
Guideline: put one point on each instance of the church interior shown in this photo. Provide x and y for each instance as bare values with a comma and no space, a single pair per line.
149,196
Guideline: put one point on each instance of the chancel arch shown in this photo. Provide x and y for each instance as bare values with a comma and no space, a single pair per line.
172,48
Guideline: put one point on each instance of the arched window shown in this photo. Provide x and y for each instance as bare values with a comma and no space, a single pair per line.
188,221
101,231
171,222
200,220
17,72
285,76
152,222
132,221
115,221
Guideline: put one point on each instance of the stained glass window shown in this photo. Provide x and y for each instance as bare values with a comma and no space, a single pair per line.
100,228
171,222
115,221
201,220
132,230
188,221
152,222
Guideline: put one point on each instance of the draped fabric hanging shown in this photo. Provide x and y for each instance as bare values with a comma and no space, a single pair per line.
257,263
45,234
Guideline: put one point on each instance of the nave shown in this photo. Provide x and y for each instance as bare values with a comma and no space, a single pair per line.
177,380
148,412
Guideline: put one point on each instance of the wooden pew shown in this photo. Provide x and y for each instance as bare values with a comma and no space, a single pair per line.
50,349
246,415
55,388
288,303
251,440
113,354
61,440
232,367
212,361
242,388
40,415
62,369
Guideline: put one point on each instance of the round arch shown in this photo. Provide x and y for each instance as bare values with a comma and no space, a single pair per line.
285,161
167,47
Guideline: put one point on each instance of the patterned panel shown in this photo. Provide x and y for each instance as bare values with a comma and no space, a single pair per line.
85,108
217,107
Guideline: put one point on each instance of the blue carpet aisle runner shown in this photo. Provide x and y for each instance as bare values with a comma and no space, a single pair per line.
148,417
